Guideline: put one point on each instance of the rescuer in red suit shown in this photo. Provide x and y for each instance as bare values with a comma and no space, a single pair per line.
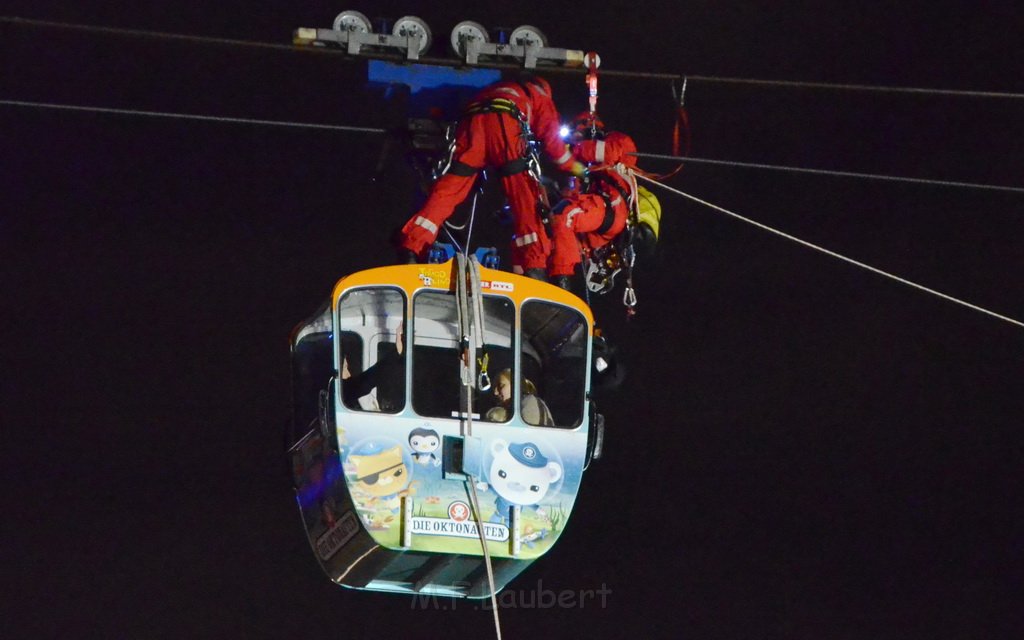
492,133
595,217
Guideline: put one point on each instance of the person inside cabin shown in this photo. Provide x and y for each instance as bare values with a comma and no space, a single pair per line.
535,410
387,376
495,131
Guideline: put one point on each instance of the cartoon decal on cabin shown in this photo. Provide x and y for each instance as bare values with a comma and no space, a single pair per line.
424,443
528,472
406,474
521,475
378,470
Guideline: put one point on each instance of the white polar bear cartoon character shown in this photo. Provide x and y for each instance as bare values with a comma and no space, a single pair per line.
521,475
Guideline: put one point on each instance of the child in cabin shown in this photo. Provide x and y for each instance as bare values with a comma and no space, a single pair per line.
535,410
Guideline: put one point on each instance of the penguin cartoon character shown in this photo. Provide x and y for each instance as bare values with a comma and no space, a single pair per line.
424,442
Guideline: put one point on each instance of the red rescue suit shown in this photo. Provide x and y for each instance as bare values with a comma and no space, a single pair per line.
491,137
599,215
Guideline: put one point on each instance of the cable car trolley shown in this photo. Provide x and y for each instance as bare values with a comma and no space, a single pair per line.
441,425
411,37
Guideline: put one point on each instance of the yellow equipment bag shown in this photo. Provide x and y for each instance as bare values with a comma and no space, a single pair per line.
648,210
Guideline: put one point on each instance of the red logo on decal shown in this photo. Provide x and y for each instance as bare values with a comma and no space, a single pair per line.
458,511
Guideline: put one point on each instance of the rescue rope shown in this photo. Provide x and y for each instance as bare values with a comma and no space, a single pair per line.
472,218
447,229
468,223
833,254
455,243
470,309
487,556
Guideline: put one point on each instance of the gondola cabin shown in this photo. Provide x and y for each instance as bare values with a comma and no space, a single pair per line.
407,414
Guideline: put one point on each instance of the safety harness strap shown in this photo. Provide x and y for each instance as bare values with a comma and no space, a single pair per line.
600,182
494,105
609,215
603,178
513,167
457,168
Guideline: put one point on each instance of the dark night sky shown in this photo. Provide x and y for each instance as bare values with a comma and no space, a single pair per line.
803,449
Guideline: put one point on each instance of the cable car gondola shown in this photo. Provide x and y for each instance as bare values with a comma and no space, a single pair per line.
442,422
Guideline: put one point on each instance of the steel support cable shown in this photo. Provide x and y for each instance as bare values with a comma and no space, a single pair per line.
827,172
378,130
190,116
140,33
833,254
798,84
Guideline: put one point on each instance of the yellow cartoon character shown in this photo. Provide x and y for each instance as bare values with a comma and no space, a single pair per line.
382,475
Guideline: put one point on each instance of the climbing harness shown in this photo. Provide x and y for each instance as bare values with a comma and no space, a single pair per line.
528,162
601,265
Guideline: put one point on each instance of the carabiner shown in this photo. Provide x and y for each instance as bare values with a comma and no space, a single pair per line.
629,297
681,97
483,381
